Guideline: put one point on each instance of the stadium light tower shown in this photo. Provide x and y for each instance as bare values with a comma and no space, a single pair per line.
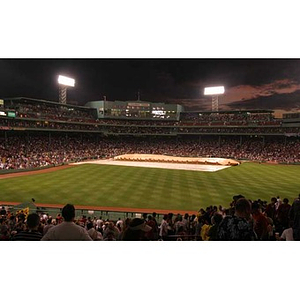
64,82
214,92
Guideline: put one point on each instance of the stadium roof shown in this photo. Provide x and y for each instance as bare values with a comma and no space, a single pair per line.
46,102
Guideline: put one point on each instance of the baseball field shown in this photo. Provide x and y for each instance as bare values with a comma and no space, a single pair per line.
152,188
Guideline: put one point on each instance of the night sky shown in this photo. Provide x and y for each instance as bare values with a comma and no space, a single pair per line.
249,83
154,29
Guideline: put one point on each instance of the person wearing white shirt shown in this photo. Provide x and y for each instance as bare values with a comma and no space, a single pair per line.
67,230
163,229
287,235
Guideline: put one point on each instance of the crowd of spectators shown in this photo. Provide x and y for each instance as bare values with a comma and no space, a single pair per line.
26,108
34,151
242,220
43,110
146,127
241,118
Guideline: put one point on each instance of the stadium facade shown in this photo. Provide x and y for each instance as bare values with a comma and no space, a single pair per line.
139,125
170,119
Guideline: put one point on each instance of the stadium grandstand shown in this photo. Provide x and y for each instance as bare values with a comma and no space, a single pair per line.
36,133
235,133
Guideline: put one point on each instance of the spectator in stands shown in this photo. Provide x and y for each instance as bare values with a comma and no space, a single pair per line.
294,216
260,222
120,224
20,225
136,230
99,224
32,233
186,222
171,230
179,224
4,232
152,234
93,233
278,203
200,222
67,230
238,226
205,229
182,234
111,231
4,229
59,219
192,225
3,211
287,234
163,229
271,209
283,215
213,231
48,226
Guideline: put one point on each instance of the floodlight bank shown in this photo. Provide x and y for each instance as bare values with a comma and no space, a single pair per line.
217,90
66,80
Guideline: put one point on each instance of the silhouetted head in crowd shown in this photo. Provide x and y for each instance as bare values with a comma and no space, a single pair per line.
68,212
216,219
256,207
243,208
33,221
285,200
237,197
201,211
136,230
273,200
170,216
89,225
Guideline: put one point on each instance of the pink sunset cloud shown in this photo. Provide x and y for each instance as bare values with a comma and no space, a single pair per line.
247,92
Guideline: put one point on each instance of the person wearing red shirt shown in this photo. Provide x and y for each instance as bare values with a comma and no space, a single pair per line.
260,222
271,209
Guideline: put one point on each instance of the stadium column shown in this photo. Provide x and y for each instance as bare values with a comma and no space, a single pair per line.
219,140
241,140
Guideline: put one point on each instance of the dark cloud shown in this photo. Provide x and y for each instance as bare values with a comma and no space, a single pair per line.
179,81
275,102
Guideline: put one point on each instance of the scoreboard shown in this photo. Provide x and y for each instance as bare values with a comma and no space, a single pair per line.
136,110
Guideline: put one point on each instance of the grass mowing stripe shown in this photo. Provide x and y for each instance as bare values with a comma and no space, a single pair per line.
153,188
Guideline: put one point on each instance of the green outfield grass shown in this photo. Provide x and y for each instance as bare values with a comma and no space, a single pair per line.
138,187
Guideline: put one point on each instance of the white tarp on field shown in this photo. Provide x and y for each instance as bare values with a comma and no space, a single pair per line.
162,165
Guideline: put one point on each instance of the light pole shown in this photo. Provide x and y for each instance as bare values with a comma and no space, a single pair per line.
64,82
214,92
